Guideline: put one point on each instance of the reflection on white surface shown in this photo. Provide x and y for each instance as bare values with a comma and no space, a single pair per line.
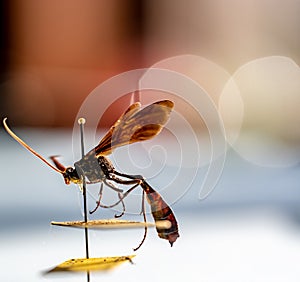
246,230
230,247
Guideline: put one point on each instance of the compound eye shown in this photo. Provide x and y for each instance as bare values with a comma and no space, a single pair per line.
69,170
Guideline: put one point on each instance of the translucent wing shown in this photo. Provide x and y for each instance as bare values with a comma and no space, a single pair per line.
135,125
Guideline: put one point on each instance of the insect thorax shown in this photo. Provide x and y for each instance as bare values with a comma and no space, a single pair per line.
95,169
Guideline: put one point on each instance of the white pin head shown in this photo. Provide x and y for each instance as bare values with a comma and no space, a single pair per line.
81,120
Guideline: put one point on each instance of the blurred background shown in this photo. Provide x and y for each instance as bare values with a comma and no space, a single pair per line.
245,55
53,54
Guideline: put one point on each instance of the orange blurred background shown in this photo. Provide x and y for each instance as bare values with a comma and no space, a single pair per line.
56,52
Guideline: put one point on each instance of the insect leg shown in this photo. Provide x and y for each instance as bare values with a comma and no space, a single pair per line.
136,177
123,205
112,177
121,198
120,194
139,180
99,200
112,186
145,221
109,184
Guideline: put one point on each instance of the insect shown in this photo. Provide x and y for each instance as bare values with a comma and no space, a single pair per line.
134,125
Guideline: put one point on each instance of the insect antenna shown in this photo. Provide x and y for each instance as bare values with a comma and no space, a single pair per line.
57,163
20,141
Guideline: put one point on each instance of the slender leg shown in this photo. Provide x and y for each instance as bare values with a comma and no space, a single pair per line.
99,200
112,186
121,198
145,220
137,177
100,196
123,205
134,180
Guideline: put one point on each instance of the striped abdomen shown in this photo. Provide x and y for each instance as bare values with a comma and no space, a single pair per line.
161,212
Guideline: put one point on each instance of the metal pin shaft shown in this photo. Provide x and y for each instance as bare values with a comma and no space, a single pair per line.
81,122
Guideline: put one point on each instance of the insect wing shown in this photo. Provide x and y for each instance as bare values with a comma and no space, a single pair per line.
104,147
135,125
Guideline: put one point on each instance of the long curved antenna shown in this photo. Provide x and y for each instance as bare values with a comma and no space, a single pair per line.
57,163
19,140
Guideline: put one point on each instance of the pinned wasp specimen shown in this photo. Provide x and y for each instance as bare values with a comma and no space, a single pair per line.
134,125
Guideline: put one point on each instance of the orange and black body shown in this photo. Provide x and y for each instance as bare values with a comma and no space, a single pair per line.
161,212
